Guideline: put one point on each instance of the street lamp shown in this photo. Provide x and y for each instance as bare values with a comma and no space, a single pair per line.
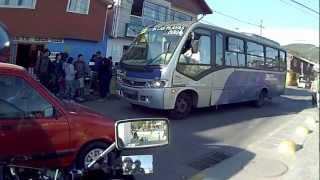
109,6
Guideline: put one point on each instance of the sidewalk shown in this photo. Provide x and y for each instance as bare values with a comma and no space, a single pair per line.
269,162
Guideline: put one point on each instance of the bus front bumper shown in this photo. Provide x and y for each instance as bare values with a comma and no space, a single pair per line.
148,97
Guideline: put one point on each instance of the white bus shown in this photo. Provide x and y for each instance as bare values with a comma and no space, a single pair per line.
180,66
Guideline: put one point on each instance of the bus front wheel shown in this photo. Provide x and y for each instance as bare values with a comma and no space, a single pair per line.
183,106
261,98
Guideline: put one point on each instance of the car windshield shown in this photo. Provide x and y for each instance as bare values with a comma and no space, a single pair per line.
154,46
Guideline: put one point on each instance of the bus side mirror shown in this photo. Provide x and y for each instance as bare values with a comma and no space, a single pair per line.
4,38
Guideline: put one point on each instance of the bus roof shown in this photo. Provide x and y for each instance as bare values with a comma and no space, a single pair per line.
249,36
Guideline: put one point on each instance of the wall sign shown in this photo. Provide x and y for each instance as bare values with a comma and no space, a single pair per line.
36,40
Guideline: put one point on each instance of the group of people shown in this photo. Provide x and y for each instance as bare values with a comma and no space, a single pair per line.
66,76
132,168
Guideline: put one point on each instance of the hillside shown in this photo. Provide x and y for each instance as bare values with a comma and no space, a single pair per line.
307,51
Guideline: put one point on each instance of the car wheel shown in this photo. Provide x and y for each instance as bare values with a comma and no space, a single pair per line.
261,99
90,153
182,108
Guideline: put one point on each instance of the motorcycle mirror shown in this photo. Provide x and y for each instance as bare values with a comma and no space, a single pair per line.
137,165
142,133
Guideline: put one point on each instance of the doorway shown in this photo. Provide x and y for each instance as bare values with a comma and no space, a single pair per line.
27,54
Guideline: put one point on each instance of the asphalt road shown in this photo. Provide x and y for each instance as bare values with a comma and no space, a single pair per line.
209,132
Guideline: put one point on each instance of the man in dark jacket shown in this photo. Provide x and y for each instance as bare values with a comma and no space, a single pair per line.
104,75
44,68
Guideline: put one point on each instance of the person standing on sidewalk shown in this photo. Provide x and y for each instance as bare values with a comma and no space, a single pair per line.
103,75
69,79
98,60
37,65
93,73
59,74
315,91
109,74
81,69
44,68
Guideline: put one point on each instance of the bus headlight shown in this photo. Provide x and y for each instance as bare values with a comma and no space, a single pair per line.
155,84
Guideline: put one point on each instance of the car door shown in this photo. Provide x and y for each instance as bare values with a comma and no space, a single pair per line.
30,126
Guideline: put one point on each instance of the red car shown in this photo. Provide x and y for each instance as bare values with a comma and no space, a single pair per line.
38,127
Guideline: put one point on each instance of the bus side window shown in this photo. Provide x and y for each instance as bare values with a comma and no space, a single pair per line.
195,57
219,49
283,63
196,50
234,55
272,59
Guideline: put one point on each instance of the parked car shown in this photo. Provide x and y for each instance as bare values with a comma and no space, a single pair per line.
303,83
47,132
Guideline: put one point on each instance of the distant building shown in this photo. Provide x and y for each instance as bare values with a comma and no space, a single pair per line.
75,26
130,16
302,66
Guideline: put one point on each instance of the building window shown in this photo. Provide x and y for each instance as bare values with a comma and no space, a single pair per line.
79,6
178,16
18,3
137,7
154,12
255,55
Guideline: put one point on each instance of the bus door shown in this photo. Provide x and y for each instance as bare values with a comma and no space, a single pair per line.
194,67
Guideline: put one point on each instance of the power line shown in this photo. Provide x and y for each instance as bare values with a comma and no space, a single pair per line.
306,7
304,10
237,19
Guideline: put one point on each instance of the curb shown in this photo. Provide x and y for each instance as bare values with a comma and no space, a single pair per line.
297,133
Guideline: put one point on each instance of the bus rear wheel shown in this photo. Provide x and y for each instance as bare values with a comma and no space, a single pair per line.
182,107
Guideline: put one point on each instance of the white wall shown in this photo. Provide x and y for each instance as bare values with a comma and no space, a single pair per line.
115,48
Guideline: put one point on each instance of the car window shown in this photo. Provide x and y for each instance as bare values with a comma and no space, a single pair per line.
9,111
19,99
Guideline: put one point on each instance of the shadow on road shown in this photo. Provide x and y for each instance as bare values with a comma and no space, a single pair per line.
165,168
199,134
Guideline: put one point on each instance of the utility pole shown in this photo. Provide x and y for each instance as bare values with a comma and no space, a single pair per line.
261,27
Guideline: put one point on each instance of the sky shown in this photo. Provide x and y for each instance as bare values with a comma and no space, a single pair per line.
283,21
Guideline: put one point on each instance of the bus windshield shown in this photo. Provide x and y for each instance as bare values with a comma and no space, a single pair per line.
154,46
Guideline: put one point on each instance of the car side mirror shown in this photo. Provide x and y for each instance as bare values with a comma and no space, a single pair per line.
142,133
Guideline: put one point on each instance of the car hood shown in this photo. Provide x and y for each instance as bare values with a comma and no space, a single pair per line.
80,110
